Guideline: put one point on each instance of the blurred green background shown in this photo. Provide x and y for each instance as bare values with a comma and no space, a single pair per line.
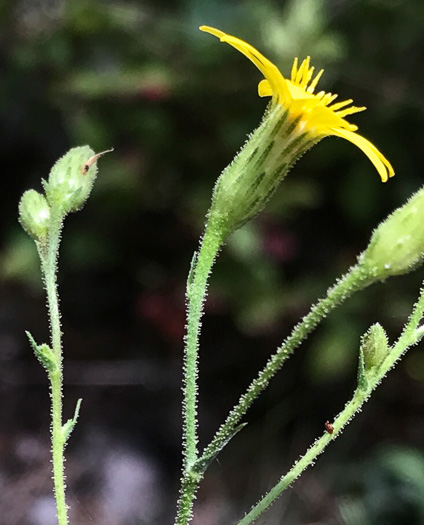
177,105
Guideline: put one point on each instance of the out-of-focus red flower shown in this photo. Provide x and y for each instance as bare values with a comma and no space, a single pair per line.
279,244
164,313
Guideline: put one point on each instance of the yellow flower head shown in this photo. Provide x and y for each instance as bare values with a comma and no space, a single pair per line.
313,112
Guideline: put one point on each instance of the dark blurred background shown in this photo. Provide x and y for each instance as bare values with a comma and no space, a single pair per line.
177,105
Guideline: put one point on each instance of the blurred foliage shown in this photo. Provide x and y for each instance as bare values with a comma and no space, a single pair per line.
387,489
176,105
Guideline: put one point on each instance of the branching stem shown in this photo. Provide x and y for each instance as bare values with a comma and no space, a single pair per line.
195,466
354,281
409,337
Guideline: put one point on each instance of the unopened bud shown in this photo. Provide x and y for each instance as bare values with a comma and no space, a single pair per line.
71,179
374,345
34,215
397,245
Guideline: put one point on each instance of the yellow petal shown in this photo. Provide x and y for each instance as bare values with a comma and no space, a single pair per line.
267,68
264,89
340,105
315,81
380,162
350,111
294,69
307,77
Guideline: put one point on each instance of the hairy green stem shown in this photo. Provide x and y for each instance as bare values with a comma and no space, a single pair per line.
409,337
58,447
357,279
189,486
49,257
196,293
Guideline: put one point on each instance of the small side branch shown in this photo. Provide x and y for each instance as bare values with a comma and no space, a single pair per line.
410,336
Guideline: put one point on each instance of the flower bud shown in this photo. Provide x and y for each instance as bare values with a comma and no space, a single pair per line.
71,179
245,186
34,215
397,245
374,346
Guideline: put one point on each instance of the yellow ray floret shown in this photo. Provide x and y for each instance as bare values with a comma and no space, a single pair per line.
317,112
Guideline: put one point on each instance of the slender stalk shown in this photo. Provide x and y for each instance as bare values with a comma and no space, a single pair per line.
355,280
409,337
196,293
49,256
58,448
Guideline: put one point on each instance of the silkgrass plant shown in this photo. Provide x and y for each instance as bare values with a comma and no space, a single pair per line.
295,120
41,215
